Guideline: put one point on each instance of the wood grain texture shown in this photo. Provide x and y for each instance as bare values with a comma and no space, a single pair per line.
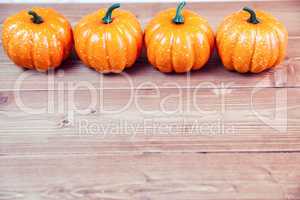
151,176
211,134
141,120
287,12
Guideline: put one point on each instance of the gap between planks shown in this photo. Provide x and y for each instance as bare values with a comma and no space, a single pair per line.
132,153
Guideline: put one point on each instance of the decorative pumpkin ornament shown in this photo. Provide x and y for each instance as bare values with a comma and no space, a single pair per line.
37,39
108,41
178,40
250,41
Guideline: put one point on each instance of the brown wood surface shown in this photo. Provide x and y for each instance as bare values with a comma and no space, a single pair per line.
224,135
151,176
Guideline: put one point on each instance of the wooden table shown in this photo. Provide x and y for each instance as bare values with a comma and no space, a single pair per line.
212,134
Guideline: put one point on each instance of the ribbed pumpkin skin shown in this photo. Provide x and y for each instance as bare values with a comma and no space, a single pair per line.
108,48
178,47
246,47
37,46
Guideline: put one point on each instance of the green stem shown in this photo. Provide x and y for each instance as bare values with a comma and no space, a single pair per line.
253,19
107,18
178,19
35,17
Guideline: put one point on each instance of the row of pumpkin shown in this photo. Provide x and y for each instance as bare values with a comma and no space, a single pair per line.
176,40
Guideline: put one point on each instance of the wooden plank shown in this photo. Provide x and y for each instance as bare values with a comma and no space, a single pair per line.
142,120
151,176
287,12
220,144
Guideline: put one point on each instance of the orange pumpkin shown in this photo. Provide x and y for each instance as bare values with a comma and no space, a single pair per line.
250,41
108,41
39,39
178,40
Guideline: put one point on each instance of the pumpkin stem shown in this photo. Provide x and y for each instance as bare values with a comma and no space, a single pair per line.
178,19
107,18
35,17
253,19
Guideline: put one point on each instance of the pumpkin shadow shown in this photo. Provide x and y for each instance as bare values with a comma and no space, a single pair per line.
138,67
68,64
214,66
